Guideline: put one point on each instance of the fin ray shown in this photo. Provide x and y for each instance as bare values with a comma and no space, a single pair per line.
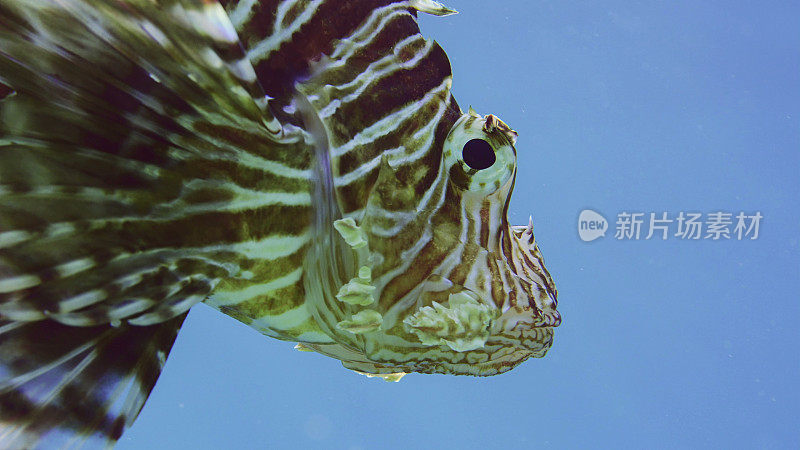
67,384
118,107
110,112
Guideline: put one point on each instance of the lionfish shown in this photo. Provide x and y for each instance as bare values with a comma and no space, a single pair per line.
299,165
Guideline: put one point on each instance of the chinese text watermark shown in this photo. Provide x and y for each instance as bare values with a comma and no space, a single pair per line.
718,225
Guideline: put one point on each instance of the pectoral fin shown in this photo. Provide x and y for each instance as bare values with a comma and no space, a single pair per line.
63,386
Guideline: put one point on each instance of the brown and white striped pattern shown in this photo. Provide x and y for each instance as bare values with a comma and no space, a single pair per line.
382,93
183,153
138,172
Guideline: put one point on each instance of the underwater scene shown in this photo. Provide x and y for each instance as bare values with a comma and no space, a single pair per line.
399,224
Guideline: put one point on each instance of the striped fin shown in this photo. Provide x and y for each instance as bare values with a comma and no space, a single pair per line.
68,386
138,159
119,178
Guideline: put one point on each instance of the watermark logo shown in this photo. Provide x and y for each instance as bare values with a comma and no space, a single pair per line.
634,226
591,225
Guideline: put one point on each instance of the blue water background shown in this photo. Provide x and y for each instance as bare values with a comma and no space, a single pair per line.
620,106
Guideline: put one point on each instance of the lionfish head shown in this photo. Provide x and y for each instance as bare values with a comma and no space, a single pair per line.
457,289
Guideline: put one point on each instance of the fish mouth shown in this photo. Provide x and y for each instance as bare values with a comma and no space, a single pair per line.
537,300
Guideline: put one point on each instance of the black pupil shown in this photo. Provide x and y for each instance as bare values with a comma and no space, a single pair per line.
478,154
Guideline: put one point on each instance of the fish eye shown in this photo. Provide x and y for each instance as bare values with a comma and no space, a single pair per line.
478,154
477,160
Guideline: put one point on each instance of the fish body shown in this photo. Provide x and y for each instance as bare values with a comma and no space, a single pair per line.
300,166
